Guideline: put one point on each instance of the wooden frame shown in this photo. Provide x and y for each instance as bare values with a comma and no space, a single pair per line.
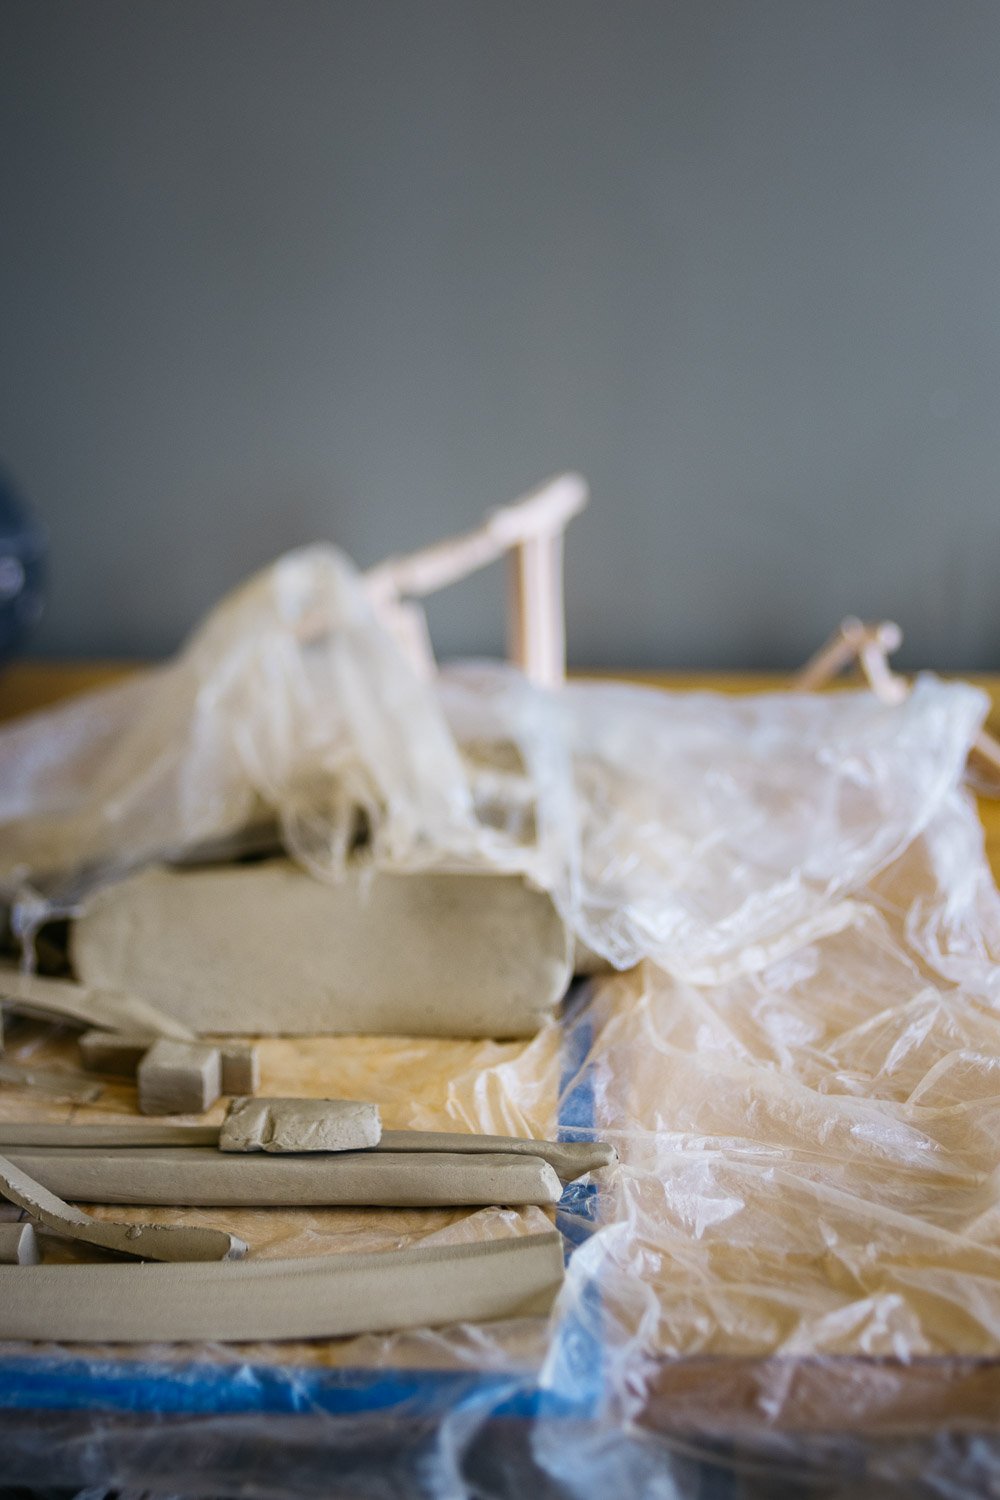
870,645
530,531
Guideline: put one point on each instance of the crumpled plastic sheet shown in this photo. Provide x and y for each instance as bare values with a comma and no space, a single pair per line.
791,1283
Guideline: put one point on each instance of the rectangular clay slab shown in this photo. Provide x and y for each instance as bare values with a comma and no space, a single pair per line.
202,1176
323,1297
270,950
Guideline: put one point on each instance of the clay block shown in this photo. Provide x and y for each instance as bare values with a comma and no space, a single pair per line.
201,1176
328,1296
18,1245
268,949
113,1052
179,1078
150,1241
280,1125
240,1068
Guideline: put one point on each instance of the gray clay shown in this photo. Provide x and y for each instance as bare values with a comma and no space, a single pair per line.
240,1068
123,1137
179,1078
18,1245
113,1052
268,949
201,1176
282,1125
328,1296
149,1241
120,1053
106,1009
570,1159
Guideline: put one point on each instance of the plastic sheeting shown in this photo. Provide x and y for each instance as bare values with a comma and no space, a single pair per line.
703,832
794,1275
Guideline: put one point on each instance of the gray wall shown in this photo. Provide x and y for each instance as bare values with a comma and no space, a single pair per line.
281,269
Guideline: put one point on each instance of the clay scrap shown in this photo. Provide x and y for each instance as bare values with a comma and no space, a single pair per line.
18,1245
82,1005
328,1296
471,955
171,1242
57,1083
281,1125
179,1078
203,1176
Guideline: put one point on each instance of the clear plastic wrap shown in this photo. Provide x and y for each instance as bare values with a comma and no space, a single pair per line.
706,833
793,1277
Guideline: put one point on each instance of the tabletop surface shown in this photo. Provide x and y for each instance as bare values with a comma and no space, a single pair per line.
970,1386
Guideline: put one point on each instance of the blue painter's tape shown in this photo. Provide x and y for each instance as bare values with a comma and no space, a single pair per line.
203,1389
576,1361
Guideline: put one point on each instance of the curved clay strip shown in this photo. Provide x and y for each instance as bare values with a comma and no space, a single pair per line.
202,1176
322,1297
149,1241
62,1000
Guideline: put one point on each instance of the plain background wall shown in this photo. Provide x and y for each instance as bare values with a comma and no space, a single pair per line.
275,270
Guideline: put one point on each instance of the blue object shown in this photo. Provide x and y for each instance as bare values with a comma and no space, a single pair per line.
23,544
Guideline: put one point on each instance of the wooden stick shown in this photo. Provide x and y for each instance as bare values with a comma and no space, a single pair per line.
853,638
870,646
543,512
531,531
